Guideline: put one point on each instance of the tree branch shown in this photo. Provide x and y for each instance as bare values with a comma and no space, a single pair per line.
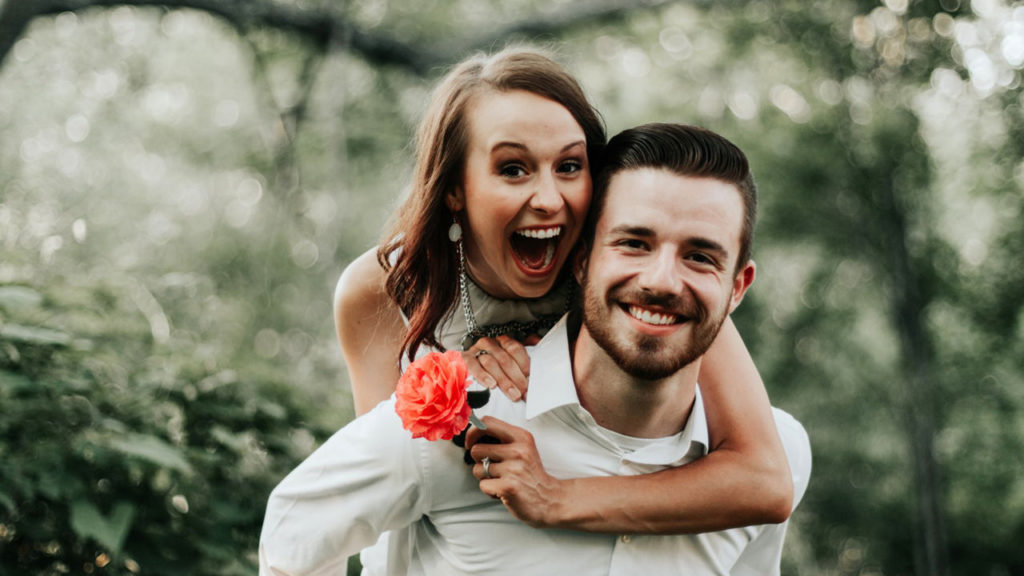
14,19
320,25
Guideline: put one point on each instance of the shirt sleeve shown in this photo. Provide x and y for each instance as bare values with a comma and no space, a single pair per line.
763,556
364,480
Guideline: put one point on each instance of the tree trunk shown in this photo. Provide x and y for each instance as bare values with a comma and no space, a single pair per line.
908,301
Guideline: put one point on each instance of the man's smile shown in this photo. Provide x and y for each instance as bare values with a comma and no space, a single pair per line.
653,317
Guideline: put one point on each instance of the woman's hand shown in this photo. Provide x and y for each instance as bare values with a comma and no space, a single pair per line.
500,362
514,473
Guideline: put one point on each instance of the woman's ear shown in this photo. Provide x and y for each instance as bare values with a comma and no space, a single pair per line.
455,199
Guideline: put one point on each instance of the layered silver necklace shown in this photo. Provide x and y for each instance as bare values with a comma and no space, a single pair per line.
517,330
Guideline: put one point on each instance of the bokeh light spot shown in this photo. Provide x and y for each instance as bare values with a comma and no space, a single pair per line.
77,128
305,254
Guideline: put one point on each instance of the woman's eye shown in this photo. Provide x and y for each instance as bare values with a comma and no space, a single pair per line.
512,171
570,167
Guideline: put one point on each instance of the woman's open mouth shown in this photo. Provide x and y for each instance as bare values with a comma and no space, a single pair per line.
535,248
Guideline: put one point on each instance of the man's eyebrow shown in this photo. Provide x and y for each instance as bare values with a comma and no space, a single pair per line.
630,230
708,244
645,232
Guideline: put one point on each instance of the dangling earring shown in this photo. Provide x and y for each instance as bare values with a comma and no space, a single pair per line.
472,329
455,231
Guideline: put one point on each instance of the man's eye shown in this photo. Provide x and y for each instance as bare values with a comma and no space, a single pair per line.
702,259
633,243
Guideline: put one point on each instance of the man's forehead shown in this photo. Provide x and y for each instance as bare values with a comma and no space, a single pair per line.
656,198
668,188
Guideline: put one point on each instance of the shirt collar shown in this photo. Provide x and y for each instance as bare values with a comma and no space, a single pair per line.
698,422
552,384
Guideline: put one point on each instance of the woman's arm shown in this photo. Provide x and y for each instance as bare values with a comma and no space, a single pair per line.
744,480
742,428
370,331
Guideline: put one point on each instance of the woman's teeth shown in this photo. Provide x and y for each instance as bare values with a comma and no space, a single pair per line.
541,233
656,318
536,247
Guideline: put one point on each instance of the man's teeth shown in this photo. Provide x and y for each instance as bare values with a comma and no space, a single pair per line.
651,317
541,233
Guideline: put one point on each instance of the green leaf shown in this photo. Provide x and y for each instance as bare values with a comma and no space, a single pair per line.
54,486
14,382
34,335
235,442
152,449
110,531
8,503
14,297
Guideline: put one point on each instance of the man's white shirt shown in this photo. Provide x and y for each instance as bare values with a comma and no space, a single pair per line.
371,477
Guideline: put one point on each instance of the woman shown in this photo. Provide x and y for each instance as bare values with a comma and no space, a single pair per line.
500,191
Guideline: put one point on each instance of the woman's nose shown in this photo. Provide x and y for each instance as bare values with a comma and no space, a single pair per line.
546,197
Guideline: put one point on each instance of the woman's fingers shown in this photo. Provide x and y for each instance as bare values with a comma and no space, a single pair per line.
500,362
518,353
502,432
501,442
512,472
486,469
531,340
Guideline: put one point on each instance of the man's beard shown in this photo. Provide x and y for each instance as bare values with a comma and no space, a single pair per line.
641,355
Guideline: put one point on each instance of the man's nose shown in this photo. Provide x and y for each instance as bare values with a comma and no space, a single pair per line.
662,273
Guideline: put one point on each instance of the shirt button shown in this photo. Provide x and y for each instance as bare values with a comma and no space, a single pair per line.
626,539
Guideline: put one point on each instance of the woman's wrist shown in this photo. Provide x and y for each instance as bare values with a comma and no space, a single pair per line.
567,507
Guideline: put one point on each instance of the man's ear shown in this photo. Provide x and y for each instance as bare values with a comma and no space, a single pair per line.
579,261
455,199
743,279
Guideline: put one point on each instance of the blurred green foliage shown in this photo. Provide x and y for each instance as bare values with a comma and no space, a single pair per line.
178,197
121,455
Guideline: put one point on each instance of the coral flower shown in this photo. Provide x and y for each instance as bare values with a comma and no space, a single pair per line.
431,396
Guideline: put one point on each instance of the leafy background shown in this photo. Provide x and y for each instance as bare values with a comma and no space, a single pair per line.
181,183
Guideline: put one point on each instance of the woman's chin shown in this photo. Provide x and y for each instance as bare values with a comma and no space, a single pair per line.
533,286
517,281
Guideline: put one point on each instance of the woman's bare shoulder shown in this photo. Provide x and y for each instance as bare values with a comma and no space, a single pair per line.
361,303
361,285
370,330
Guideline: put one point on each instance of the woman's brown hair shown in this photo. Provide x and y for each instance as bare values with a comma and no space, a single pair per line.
421,263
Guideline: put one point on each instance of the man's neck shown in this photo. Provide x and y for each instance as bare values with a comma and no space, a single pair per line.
626,404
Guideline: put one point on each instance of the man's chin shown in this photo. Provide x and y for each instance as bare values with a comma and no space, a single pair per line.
649,366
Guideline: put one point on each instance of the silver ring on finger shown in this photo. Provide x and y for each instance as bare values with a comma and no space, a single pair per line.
480,352
487,466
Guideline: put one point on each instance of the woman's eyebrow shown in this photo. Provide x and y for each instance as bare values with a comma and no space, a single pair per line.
519,146
508,144
572,145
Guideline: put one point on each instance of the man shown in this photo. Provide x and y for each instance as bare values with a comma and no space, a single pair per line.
667,260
